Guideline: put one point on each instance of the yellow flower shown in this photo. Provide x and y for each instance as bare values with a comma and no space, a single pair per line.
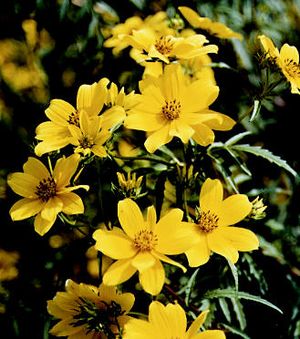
89,137
8,260
155,45
45,193
55,134
169,322
213,228
287,59
215,28
172,106
87,311
141,245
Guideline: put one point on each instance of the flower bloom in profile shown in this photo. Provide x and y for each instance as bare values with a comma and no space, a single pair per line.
214,230
45,194
168,109
287,60
169,322
215,28
8,261
141,245
87,311
55,133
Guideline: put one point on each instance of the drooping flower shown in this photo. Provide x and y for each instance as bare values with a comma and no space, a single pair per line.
89,136
87,311
168,109
154,45
169,322
141,245
55,133
214,230
287,59
215,28
45,194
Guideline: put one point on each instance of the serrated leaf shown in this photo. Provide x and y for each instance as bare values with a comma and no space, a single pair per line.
266,154
235,331
234,272
240,314
224,307
189,286
256,109
231,293
236,138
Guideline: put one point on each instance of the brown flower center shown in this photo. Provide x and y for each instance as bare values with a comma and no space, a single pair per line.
86,142
46,189
145,240
292,68
171,110
164,45
208,221
73,118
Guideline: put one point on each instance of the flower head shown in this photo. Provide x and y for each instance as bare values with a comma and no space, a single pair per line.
141,245
45,194
168,109
214,28
8,260
287,59
213,228
55,133
168,322
87,311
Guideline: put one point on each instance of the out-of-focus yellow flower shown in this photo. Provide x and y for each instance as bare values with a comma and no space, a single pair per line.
287,59
93,262
45,194
8,261
141,245
169,322
213,229
168,109
87,311
215,28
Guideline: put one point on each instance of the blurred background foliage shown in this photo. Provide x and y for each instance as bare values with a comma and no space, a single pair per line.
48,49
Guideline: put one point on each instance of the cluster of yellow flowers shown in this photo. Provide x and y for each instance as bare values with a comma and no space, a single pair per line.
176,91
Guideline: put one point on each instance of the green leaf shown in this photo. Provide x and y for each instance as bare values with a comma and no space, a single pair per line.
256,109
189,286
224,307
235,331
236,138
240,314
140,4
231,293
234,272
266,154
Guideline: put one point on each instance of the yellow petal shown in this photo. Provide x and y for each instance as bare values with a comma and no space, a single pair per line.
52,207
131,218
233,209
240,238
25,208
64,328
36,168
152,279
118,272
64,170
143,261
114,244
51,145
210,334
196,324
59,111
137,329
289,52
166,259
199,253
23,184
203,135
42,226
211,195
72,203
219,121
151,217
158,138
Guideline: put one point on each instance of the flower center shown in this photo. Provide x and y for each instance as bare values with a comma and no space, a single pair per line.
171,110
46,189
164,45
145,240
292,68
208,221
101,318
86,142
73,119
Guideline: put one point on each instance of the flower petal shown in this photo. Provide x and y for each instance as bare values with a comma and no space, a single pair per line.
72,203
137,329
196,324
153,278
25,208
210,334
64,169
158,138
36,168
203,135
211,195
114,244
59,111
131,218
42,226
23,184
233,209
52,207
166,259
118,272
199,253
143,261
